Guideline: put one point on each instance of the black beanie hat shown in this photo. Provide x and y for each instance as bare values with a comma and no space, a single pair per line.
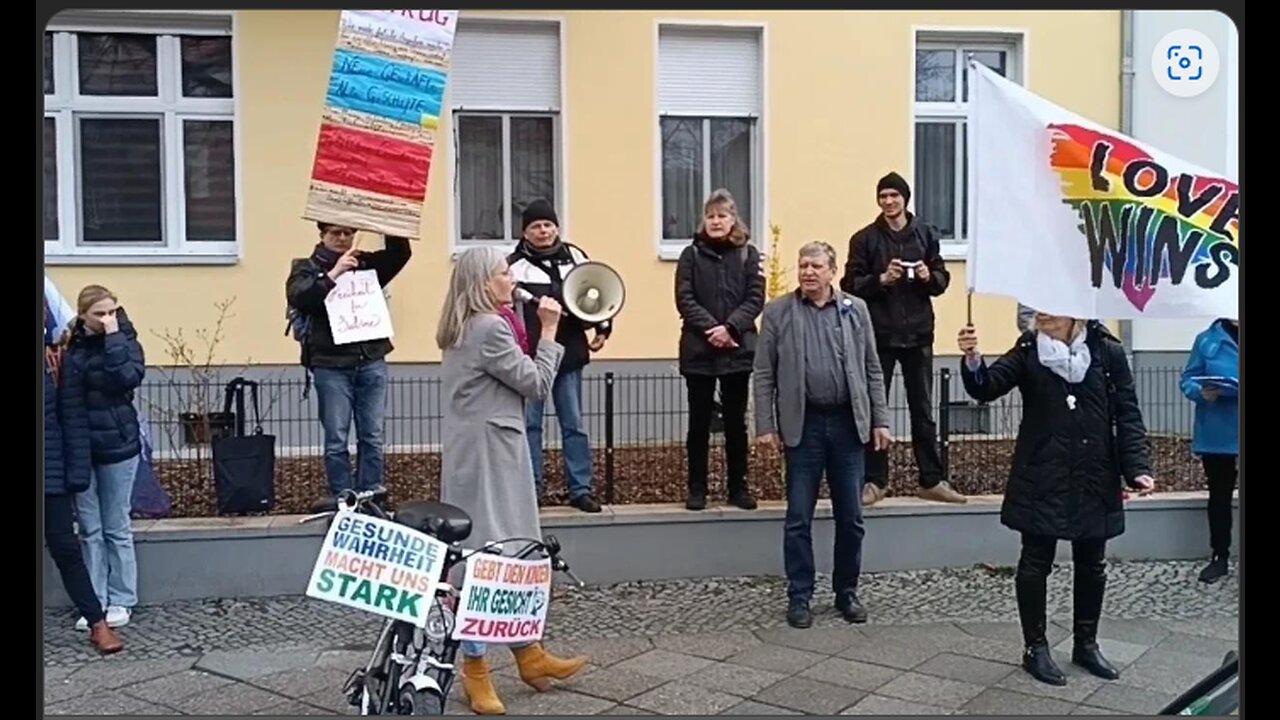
538,210
894,181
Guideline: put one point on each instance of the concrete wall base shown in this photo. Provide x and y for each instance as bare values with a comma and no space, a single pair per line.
195,558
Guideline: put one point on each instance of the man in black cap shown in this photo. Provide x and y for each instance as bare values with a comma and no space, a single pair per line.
895,265
539,264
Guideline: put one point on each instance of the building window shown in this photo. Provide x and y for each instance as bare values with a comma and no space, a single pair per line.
709,107
504,89
139,158
939,187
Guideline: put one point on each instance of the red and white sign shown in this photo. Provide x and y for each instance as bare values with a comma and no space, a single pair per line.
504,600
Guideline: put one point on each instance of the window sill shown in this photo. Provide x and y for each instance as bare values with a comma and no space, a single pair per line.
139,259
669,251
955,251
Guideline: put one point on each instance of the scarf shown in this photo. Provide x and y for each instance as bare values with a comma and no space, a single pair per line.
537,252
517,327
324,257
1069,362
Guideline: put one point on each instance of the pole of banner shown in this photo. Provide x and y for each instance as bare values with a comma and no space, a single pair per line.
968,309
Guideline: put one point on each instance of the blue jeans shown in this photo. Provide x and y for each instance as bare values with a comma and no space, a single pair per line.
107,533
830,442
344,393
566,393
477,650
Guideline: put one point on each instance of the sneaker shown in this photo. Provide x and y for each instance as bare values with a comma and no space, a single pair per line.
118,616
942,492
82,625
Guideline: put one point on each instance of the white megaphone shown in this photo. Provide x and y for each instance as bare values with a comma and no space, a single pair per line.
593,292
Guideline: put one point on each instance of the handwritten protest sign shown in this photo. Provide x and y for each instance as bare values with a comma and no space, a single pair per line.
504,600
357,308
380,118
378,566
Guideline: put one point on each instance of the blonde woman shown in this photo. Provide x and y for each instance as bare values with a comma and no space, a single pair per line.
102,366
486,470
719,294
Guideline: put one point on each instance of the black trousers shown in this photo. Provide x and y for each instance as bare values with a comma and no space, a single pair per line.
64,547
733,400
1087,590
917,375
1220,471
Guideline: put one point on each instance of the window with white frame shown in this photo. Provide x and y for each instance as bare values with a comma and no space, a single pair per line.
504,88
939,185
139,157
710,101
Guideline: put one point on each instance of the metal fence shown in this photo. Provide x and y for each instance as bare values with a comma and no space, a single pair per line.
637,425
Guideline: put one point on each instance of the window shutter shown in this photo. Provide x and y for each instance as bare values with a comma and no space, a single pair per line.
709,71
505,65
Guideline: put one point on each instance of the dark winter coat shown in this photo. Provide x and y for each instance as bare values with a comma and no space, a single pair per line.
66,443
1068,465
718,284
308,286
902,313
99,376
542,275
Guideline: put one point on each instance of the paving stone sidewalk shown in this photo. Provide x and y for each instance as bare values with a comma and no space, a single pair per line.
939,642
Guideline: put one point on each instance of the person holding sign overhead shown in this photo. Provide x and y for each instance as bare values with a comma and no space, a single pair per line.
350,374
1081,435
1211,380
488,377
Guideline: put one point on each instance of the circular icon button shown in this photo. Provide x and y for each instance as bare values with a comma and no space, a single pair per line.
1185,63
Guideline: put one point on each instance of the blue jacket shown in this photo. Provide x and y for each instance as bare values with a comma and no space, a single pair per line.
1217,424
103,371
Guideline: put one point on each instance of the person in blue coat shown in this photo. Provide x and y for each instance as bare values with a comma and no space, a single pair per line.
66,472
1210,380
102,367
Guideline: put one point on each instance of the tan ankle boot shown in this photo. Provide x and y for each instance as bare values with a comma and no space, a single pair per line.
539,667
477,684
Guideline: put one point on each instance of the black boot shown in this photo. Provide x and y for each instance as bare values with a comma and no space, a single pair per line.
1090,586
1215,570
697,498
1031,590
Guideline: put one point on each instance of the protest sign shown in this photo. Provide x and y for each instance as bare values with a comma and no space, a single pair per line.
358,309
378,566
380,118
1074,219
504,600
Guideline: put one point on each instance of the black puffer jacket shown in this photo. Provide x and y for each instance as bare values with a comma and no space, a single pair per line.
718,284
1068,465
99,376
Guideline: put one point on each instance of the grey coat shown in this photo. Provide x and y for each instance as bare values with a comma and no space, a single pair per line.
779,368
486,468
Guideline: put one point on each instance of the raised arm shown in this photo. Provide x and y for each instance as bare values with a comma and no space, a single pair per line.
987,383
532,377
389,261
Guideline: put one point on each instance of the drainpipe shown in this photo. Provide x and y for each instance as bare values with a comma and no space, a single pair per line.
1126,127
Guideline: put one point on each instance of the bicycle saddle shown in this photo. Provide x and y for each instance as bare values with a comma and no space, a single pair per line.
448,523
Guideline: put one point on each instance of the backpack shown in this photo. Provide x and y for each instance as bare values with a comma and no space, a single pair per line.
298,324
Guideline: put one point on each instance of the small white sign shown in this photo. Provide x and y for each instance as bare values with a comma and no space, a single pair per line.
504,600
378,566
358,309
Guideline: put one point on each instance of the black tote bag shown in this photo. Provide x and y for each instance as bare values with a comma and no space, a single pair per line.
244,466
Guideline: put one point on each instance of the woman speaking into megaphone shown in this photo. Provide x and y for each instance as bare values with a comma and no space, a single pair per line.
539,264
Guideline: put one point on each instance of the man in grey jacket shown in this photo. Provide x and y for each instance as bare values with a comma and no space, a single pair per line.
819,393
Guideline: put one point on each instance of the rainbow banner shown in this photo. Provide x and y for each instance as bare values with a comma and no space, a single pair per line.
381,114
1074,219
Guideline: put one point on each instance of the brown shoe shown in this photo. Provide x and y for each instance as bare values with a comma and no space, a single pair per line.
102,637
539,667
942,492
477,687
872,494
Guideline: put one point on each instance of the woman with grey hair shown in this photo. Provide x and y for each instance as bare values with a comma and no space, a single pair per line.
487,376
